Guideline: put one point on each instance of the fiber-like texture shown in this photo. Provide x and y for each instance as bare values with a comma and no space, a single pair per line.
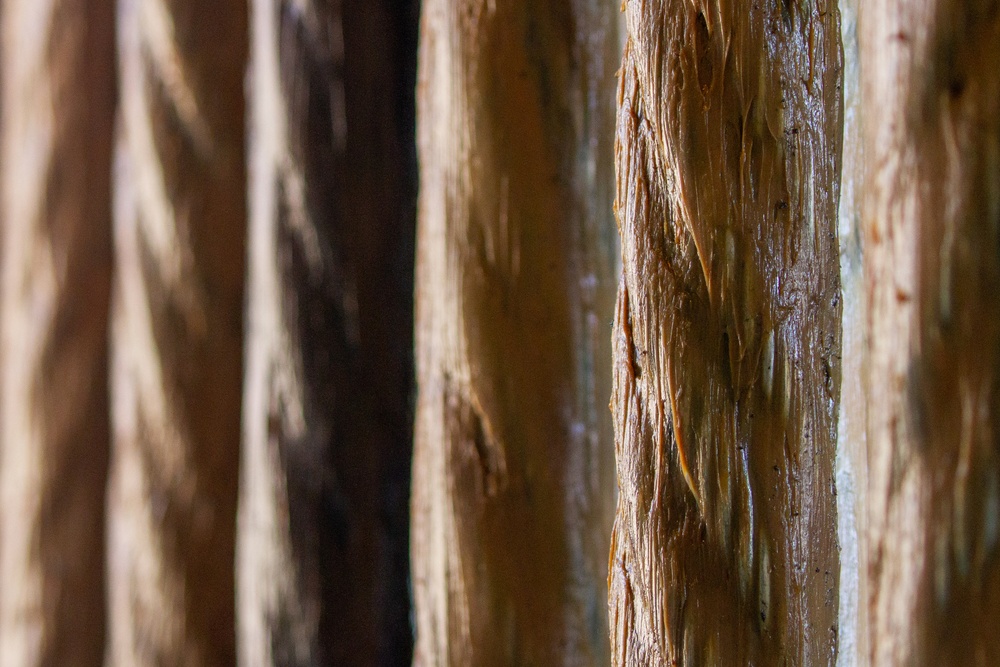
177,320
323,519
55,205
727,336
513,471
931,101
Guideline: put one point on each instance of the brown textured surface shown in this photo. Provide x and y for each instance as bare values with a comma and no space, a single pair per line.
177,318
931,100
57,108
513,471
727,337
323,525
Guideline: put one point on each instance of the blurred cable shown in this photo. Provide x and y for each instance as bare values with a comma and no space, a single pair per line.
58,84
177,320
323,529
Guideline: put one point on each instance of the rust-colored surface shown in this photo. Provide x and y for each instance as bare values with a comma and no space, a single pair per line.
727,336
931,100
58,109
513,472
177,320
323,525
